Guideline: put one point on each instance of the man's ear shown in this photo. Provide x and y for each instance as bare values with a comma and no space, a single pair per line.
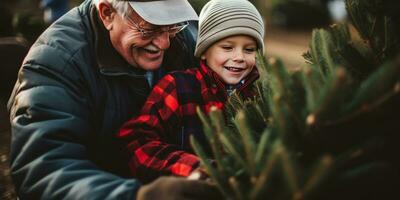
107,14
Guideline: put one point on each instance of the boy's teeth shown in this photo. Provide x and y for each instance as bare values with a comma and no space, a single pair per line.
233,69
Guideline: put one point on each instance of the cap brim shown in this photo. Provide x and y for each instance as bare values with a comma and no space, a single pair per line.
164,12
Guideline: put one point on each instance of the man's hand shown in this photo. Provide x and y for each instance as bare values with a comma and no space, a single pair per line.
176,188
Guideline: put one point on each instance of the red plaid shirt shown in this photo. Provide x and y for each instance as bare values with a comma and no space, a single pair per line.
158,139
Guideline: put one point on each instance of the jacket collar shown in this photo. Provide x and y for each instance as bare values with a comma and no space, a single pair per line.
109,61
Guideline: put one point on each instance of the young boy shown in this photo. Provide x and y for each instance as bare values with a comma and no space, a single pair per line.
230,33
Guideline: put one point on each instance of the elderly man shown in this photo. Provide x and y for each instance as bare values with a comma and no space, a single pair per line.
86,74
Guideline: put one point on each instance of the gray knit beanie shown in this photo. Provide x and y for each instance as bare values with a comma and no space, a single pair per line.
222,18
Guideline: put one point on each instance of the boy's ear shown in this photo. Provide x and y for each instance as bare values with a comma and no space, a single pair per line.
106,14
203,57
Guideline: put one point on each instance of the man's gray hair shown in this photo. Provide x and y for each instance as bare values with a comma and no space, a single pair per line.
122,7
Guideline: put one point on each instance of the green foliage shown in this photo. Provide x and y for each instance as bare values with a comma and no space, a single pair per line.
378,25
285,13
247,165
306,133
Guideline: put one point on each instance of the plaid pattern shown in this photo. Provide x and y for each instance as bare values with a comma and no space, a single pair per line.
158,139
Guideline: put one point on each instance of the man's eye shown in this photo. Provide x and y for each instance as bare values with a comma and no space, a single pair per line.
152,30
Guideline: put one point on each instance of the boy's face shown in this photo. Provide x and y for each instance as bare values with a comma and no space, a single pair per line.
232,58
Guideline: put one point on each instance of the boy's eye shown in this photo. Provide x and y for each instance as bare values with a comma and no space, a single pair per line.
226,47
250,50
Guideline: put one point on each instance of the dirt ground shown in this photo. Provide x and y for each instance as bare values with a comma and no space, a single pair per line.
288,45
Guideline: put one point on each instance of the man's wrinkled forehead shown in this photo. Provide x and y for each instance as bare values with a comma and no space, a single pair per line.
138,19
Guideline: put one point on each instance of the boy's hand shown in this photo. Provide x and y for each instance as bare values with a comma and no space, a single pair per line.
176,188
198,174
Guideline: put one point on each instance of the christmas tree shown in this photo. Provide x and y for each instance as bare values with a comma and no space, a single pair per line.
328,131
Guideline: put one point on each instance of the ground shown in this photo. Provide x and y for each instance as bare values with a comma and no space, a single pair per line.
289,45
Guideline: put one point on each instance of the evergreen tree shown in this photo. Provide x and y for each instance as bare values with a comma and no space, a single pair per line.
328,131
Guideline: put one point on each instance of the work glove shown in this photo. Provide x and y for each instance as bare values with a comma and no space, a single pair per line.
177,188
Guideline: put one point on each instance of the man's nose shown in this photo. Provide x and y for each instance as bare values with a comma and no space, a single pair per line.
162,40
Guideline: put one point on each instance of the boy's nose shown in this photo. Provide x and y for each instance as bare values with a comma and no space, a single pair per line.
238,56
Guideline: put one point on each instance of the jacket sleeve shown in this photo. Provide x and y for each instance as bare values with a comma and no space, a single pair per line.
50,124
147,135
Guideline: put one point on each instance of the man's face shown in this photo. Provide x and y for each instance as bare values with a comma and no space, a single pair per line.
143,52
232,58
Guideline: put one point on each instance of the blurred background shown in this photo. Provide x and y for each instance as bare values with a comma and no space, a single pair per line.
288,29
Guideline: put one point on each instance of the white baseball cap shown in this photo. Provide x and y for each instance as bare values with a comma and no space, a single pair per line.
164,12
